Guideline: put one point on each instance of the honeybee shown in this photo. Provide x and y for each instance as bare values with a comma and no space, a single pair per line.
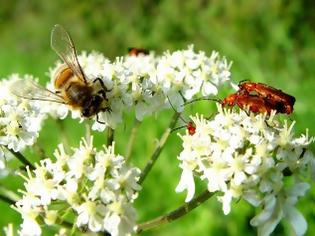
71,85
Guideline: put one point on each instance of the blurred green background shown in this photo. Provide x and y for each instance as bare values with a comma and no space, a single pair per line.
269,41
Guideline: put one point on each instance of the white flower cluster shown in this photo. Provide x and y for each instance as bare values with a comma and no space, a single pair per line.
20,119
97,186
252,157
145,82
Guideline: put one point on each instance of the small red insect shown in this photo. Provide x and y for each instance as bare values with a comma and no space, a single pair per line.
280,101
137,51
191,128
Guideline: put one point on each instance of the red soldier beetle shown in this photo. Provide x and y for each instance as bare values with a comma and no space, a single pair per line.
280,101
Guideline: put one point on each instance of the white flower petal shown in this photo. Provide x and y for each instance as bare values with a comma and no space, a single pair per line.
297,221
186,183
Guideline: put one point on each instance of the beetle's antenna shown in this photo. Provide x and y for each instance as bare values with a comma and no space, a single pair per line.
177,128
242,81
180,117
201,99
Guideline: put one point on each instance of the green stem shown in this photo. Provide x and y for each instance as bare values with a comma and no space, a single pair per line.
110,136
40,151
64,139
9,195
87,131
132,138
177,213
7,199
159,148
66,224
22,158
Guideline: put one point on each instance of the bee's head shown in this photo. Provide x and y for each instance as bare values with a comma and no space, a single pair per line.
92,106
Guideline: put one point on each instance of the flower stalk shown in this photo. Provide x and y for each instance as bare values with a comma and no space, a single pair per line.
63,134
177,213
132,139
22,158
6,199
159,148
110,136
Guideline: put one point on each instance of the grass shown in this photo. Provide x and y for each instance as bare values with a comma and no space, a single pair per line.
268,42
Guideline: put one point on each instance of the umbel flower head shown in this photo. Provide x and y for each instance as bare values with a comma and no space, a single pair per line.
144,83
20,119
95,185
249,156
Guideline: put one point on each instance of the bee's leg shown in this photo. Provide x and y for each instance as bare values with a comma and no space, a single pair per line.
103,94
98,120
104,89
102,84
107,109
68,87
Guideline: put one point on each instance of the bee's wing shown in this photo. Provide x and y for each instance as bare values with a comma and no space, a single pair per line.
63,45
31,90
